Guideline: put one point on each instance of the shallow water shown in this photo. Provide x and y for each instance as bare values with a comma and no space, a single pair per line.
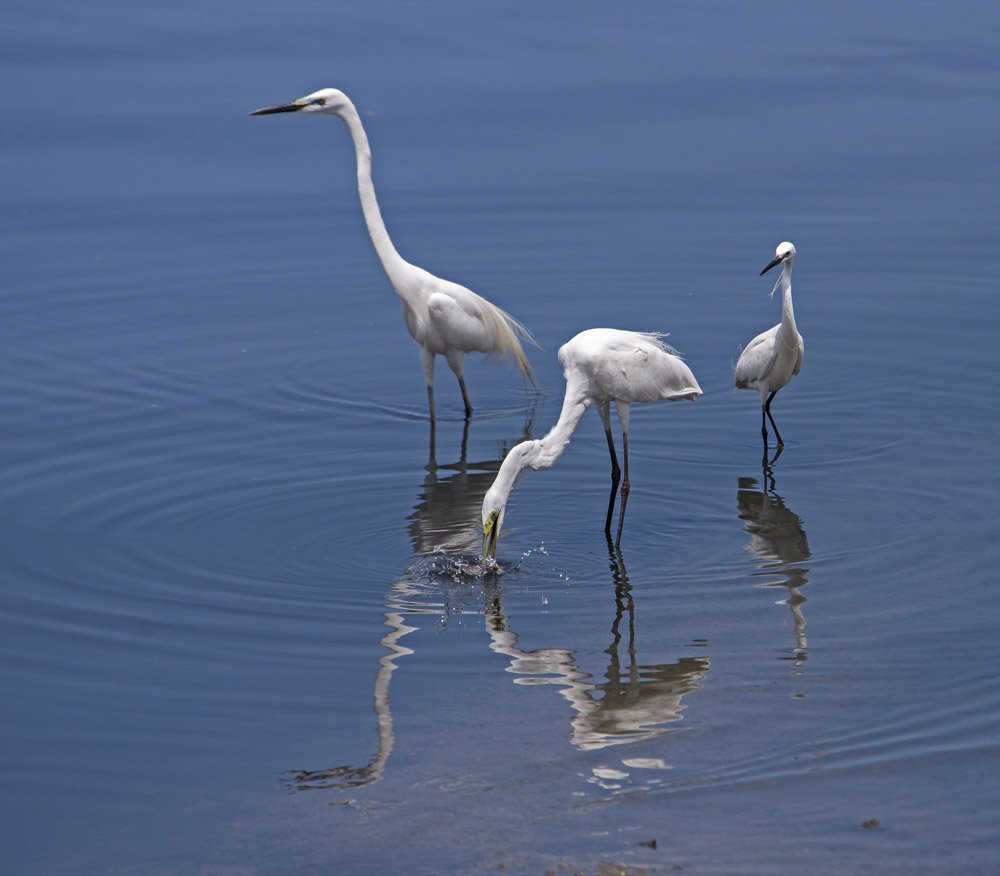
245,628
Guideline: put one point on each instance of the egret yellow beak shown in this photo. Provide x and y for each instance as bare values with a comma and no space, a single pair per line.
491,535
292,107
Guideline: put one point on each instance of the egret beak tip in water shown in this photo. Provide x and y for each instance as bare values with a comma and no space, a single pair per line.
491,535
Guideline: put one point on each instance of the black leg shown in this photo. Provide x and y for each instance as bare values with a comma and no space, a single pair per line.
465,443
768,472
616,474
625,489
430,400
432,450
767,410
465,397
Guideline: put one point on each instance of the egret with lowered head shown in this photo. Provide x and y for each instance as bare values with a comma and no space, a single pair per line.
601,366
774,357
444,318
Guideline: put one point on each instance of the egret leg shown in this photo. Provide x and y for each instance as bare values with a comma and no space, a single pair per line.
432,450
456,361
430,401
465,396
465,444
767,410
625,490
616,474
769,474
427,365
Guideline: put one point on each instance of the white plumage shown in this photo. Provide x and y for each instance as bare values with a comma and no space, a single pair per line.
774,357
601,366
444,318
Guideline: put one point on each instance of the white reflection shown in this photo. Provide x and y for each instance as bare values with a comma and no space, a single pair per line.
443,523
779,545
447,514
634,702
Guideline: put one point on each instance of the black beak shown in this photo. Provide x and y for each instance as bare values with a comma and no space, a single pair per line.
776,261
280,108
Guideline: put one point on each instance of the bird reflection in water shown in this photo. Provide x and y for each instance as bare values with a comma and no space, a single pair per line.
359,776
446,517
444,528
632,703
779,544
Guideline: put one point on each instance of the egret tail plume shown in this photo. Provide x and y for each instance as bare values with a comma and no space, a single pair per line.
512,333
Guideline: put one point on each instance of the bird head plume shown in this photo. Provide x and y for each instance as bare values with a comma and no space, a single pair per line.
783,254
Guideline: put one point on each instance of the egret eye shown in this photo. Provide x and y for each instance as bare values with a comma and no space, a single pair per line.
321,101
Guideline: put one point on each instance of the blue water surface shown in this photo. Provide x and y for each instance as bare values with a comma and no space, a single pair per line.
244,625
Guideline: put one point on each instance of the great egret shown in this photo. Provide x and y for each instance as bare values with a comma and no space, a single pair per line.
444,318
601,366
774,357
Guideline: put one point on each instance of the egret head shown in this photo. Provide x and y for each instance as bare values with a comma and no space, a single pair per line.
495,501
493,513
326,100
784,253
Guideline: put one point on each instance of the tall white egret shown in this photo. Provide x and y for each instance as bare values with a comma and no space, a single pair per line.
774,357
601,366
444,318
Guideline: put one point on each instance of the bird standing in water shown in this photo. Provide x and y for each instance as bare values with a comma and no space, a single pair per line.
444,318
774,357
601,366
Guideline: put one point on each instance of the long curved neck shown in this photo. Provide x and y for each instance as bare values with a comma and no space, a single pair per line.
787,313
391,260
543,452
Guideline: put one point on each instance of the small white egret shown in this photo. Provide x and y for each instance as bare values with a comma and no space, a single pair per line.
444,318
774,357
601,366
